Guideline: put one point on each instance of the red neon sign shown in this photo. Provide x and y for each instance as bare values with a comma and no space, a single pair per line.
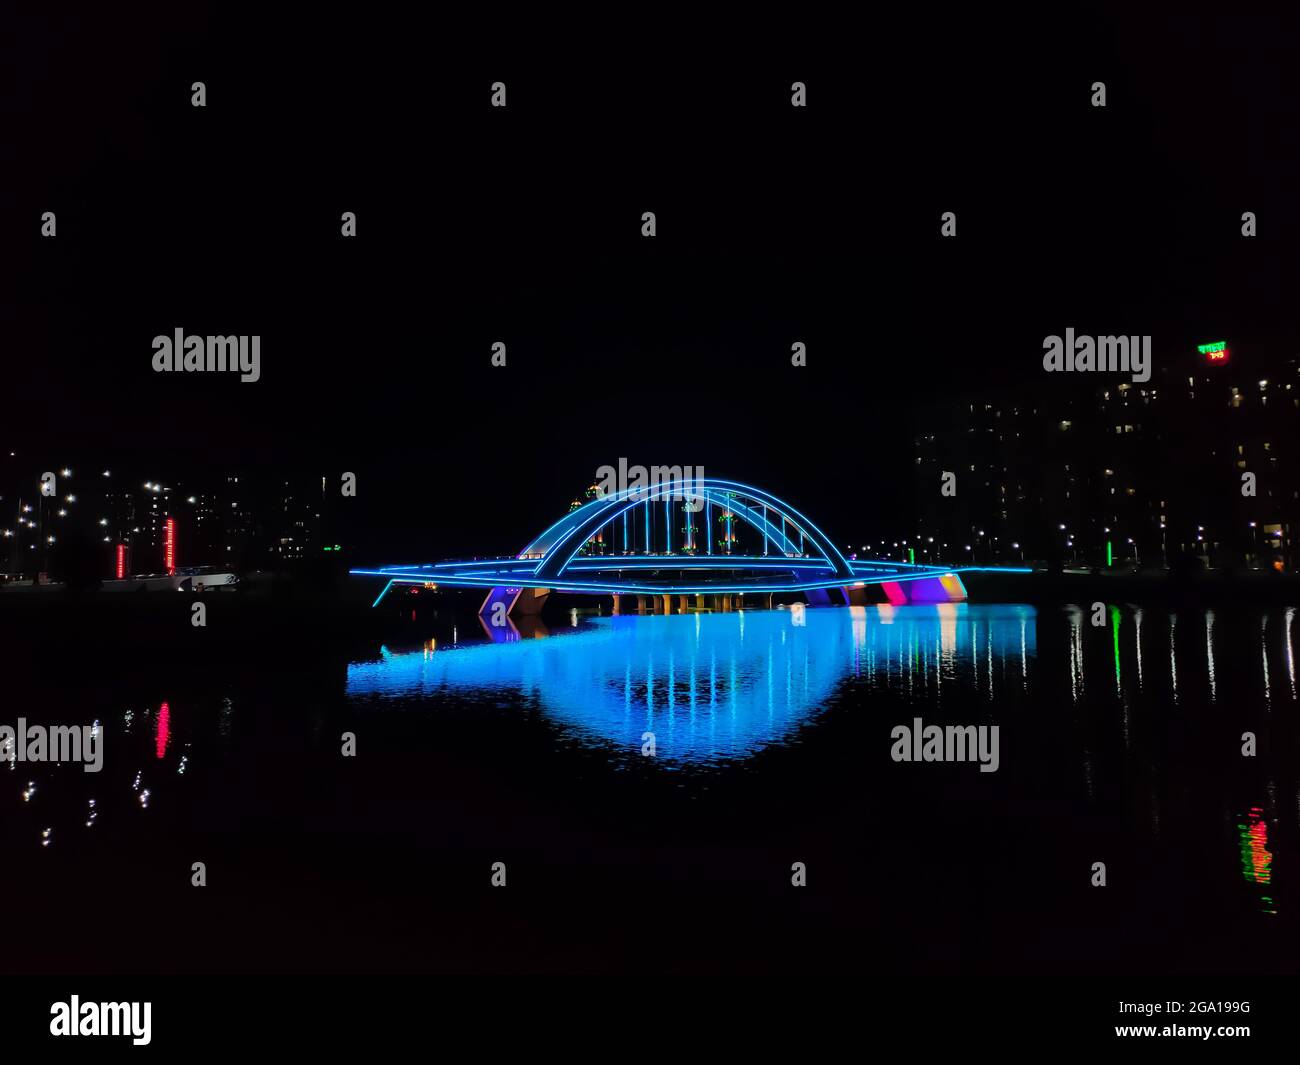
169,545
121,561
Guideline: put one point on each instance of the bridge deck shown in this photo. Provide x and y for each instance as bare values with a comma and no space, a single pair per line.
685,574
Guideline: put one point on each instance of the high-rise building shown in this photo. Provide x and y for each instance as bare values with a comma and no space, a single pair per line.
1201,462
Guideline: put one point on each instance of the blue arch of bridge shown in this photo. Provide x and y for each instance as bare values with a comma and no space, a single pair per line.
560,544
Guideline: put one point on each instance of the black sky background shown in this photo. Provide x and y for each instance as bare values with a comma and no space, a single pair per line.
523,225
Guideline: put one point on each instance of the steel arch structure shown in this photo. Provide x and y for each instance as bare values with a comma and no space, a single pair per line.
560,544
608,546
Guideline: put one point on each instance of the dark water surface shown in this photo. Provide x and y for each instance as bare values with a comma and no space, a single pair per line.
1120,743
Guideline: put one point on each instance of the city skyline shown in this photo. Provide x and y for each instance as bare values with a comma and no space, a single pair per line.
1175,464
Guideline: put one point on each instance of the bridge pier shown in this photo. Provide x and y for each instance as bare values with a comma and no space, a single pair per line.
946,588
519,602
531,601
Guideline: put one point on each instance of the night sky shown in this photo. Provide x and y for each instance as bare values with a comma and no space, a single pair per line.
522,225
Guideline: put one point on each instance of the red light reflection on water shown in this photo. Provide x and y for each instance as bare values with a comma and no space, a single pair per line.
164,730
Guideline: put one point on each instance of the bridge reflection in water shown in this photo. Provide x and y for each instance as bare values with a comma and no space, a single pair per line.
714,687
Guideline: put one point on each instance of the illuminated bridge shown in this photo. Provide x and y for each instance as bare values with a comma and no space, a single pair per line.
645,542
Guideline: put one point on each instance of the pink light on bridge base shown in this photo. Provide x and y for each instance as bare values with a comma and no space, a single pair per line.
894,592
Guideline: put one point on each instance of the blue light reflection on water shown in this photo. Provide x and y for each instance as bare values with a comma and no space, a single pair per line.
715,687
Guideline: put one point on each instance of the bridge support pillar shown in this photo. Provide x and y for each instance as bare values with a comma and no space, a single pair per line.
519,602
618,606
530,601
667,604
947,588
